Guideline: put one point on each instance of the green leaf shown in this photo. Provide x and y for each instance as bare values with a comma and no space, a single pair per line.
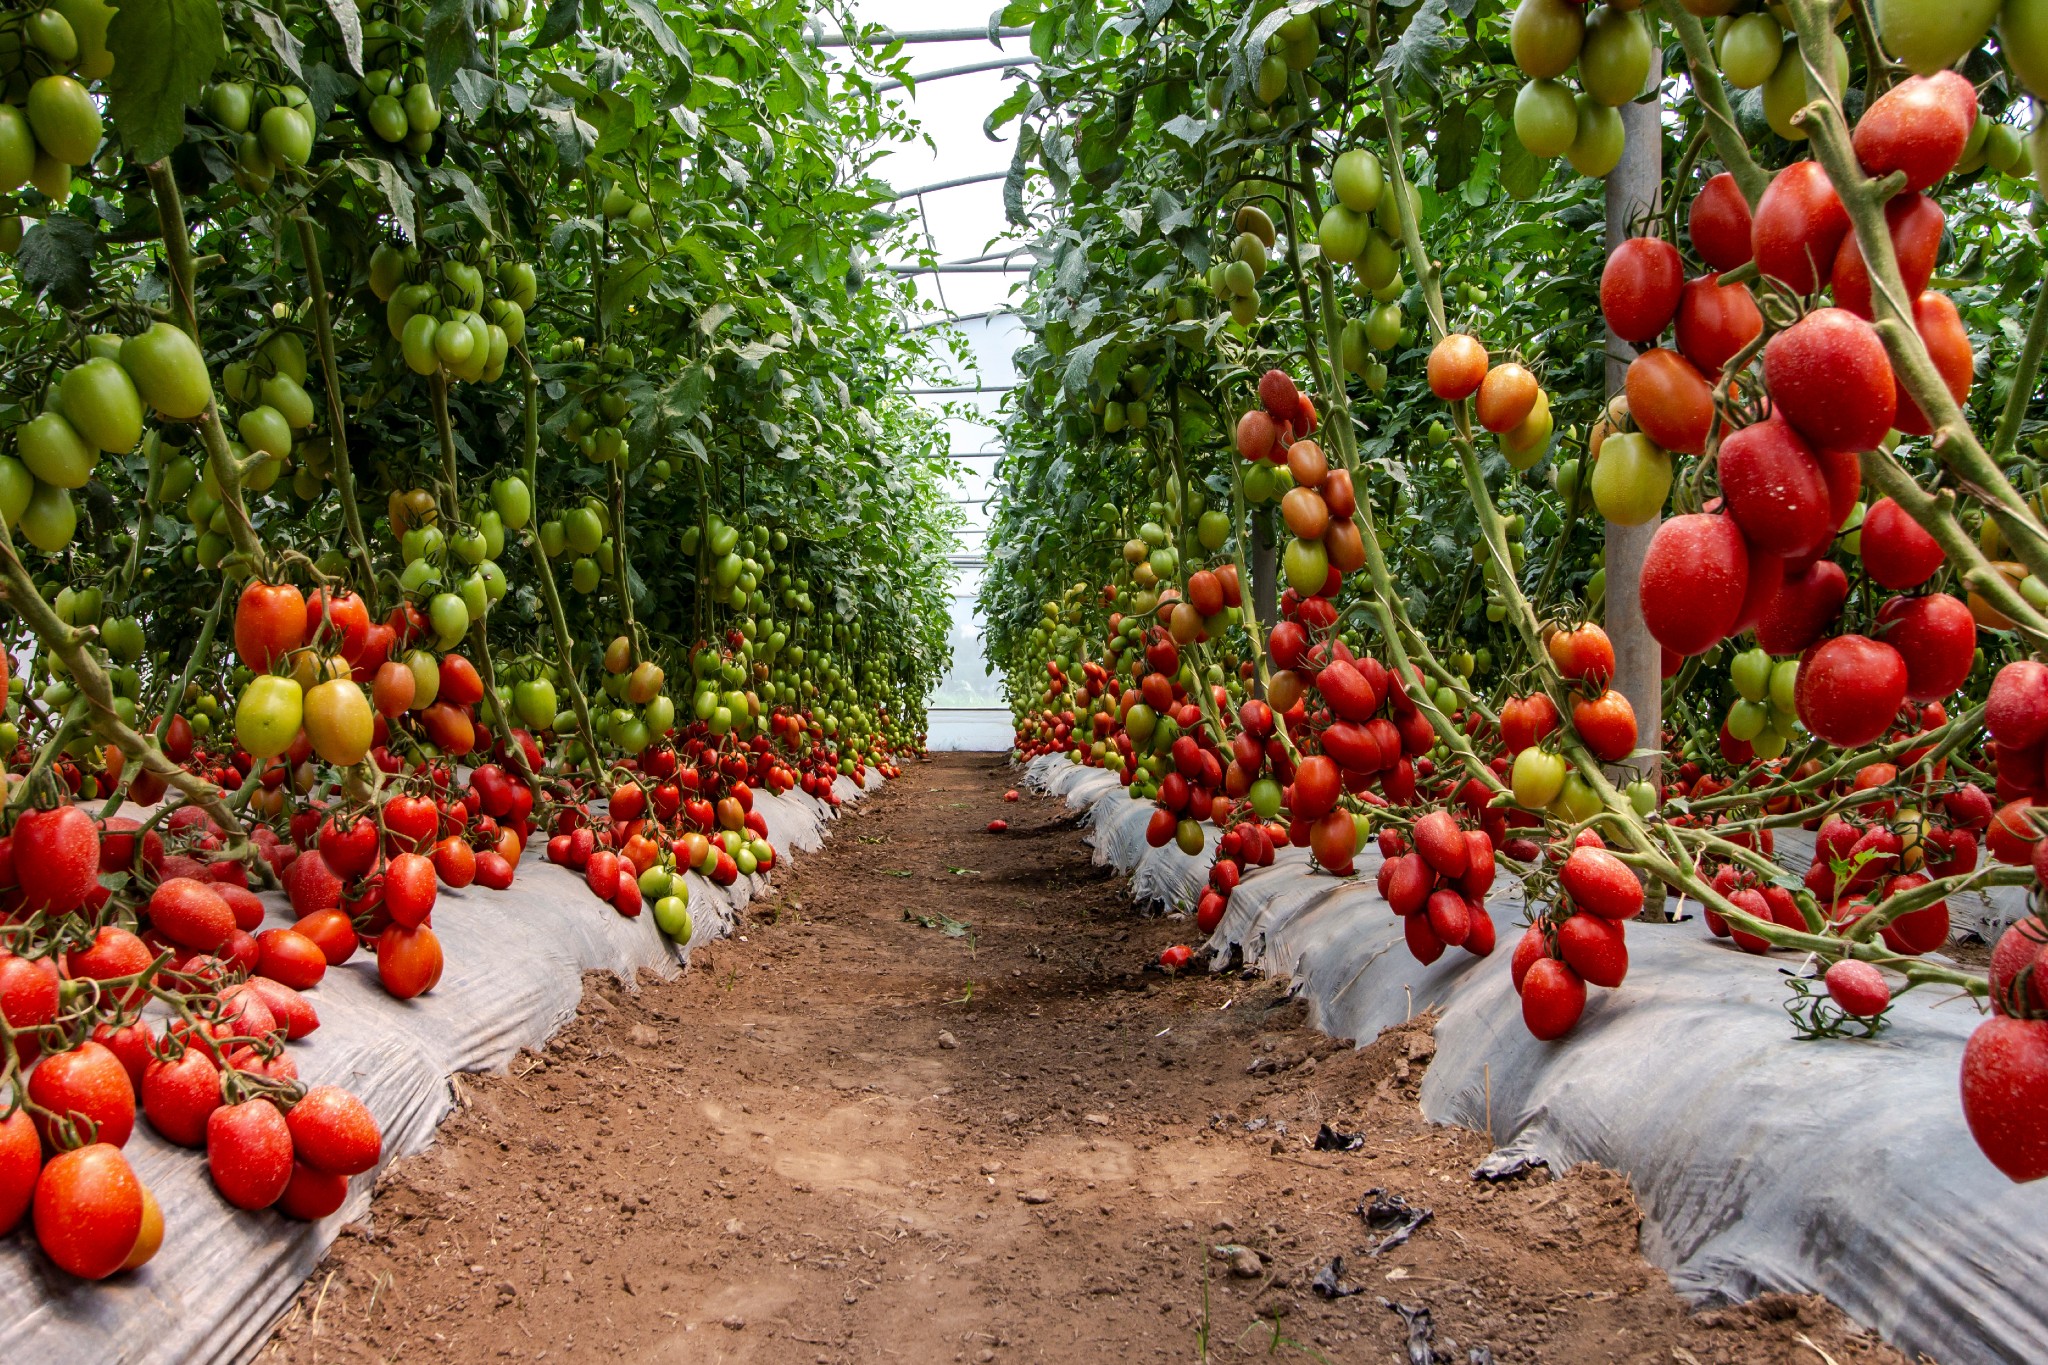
449,40
350,21
651,19
573,137
562,19
288,48
54,260
164,52
390,182
625,284
1415,59
1521,173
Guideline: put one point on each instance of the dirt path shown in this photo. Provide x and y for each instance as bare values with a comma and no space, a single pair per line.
933,1107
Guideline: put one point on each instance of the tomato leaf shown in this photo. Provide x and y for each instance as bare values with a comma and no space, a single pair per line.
657,28
350,21
164,52
288,48
449,40
55,260
391,183
1414,60
563,18
573,137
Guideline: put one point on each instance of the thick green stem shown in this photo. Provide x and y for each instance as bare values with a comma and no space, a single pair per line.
1722,129
337,412
557,618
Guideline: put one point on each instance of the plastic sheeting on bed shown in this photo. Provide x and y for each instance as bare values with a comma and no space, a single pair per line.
1762,1163
514,976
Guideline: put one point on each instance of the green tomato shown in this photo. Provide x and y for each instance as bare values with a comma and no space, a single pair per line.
448,616
513,502
169,371
1927,36
1358,180
54,451
476,597
264,428
387,119
1306,565
583,575
1785,685
267,716
17,148
1749,47
1546,116
1746,720
65,119
286,135
672,916
421,111
230,104
1751,674
1630,479
1537,777
1545,36
1614,63
103,406
1599,141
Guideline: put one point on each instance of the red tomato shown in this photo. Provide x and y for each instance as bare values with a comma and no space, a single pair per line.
1798,227
2005,1094
57,858
249,1153
460,682
408,960
1670,400
1457,367
1607,723
270,622
21,1161
332,1131
1850,690
89,1210
178,1096
1719,224
1914,223
455,861
1948,346
89,1086
1553,998
346,619
290,957
1715,321
1830,378
1775,489
409,890
1694,581
1639,288
1919,126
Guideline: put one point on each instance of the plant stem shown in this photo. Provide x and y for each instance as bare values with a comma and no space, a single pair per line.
337,412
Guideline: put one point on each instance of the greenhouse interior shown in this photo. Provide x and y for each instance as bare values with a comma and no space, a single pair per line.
842,681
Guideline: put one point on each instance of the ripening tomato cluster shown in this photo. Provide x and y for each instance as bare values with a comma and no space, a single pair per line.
1249,844
1757,559
1438,887
1579,939
207,1066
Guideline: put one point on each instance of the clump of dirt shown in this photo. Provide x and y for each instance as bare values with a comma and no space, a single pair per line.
936,1104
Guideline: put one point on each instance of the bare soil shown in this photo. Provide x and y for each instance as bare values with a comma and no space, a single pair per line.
936,1104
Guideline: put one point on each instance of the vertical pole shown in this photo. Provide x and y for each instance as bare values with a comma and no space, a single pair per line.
1632,195
1633,191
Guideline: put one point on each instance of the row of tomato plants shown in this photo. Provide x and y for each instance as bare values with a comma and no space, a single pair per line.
1792,416
432,431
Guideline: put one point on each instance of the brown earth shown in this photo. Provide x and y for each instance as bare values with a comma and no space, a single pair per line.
934,1105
